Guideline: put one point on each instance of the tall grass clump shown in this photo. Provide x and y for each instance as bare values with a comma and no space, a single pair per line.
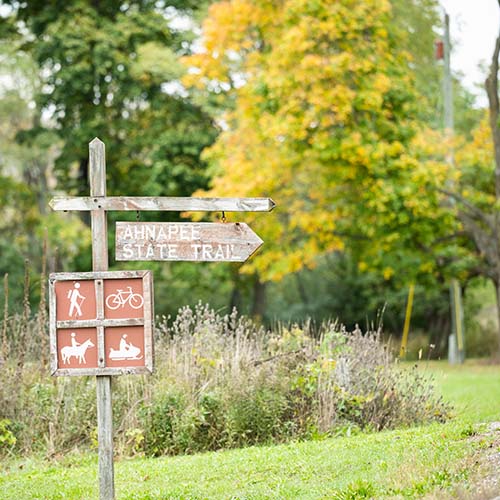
221,381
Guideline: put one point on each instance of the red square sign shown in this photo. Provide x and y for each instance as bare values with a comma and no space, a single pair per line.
75,300
123,299
77,347
124,346
101,323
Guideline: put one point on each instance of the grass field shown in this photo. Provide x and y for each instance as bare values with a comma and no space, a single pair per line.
411,463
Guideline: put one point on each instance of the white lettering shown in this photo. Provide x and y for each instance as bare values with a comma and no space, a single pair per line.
151,232
184,233
195,232
173,230
196,249
161,234
174,241
127,251
139,253
219,254
150,251
172,251
139,232
206,251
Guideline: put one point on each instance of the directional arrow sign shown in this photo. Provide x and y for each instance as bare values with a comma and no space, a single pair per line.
190,241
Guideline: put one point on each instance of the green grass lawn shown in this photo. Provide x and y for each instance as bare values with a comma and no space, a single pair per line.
396,464
474,389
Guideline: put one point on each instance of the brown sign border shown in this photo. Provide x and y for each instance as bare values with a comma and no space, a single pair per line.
100,323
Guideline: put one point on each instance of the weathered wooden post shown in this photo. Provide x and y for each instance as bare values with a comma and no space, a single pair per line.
99,225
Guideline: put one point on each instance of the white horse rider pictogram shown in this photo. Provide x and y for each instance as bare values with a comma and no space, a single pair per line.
75,301
126,351
76,349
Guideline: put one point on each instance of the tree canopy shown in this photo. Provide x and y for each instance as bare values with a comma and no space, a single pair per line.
115,77
323,113
331,108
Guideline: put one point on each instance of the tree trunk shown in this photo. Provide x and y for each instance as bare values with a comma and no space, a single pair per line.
491,85
83,173
235,298
494,110
497,290
259,298
302,290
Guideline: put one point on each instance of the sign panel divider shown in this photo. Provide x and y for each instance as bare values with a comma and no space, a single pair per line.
94,323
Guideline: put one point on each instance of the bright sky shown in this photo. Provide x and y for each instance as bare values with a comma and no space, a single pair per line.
474,26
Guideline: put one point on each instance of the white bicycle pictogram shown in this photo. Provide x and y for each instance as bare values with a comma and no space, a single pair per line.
121,298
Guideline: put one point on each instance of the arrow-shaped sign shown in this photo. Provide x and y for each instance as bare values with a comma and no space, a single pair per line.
185,241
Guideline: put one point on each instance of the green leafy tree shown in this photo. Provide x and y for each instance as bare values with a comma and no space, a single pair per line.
26,163
107,69
323,116
476,190
110,69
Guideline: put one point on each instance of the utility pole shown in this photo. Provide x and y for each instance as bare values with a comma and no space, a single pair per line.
456,345
447,87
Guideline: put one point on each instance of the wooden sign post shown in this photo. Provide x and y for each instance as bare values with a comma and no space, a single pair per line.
182,241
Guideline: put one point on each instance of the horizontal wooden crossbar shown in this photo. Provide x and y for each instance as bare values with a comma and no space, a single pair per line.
172,204
95,275
94,323
135,370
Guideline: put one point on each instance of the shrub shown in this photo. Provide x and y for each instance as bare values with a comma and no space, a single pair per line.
7,438
221,381
257,415
162,421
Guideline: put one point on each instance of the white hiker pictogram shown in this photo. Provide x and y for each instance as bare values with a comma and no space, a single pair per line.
127,350
76,349
75,301
122,298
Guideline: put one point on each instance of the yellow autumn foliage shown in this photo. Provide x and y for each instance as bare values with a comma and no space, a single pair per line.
320,116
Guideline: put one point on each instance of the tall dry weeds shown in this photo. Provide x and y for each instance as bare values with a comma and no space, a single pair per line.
221,381
24,326
42,307
5,344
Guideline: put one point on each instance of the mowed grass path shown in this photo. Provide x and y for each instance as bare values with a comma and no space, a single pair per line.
405,463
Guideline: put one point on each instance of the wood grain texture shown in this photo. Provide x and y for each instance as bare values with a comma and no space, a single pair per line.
93,323
107,372
97,182
52,326
99,292
147,287
108,275
185,241
161,204
98,219
105,438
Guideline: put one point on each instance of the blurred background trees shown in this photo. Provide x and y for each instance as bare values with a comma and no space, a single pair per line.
331,108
